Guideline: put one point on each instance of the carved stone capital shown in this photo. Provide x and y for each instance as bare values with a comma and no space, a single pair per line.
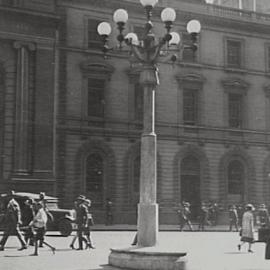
134,74
97,68
21,44
235,85
190,80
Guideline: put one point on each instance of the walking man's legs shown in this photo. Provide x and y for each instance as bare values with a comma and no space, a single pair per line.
20,237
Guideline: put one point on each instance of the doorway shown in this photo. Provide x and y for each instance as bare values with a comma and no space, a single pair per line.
190,184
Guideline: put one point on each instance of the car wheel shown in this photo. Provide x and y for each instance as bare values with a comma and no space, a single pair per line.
65,227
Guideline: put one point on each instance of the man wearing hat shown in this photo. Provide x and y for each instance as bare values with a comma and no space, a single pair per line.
12,222
81,218
39,226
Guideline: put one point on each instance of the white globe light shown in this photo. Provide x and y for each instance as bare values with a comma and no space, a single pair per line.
194,26
168,15
120,15
175,38
149,2
104,28
133,38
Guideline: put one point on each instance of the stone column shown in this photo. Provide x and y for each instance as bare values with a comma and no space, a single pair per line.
21,153
148,208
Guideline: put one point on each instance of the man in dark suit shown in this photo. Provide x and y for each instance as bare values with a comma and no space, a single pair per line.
81,219
12,222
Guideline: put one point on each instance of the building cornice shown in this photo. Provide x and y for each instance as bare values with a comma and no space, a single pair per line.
22,11
209,15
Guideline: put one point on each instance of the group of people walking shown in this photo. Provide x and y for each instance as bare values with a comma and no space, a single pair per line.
241,218
36,228
84,221
207,215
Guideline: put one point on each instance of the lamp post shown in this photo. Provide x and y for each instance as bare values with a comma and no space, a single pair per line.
147,52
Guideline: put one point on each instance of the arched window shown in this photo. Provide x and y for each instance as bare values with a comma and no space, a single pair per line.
235,177
95,177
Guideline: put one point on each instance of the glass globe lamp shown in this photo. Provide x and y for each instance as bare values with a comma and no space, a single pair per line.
104,29
168,15
193,27
133,38
175,38
120,16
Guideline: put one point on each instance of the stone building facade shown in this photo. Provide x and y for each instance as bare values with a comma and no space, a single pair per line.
28,31
212,110
81,132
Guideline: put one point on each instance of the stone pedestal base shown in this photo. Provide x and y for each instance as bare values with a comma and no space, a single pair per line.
147,224
151,258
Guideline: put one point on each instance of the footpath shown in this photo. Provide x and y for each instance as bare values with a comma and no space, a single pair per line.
162,227
205,251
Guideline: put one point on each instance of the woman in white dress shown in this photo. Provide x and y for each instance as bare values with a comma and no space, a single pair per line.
247,230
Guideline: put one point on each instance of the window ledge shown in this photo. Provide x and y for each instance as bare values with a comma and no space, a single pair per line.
235,70
188,64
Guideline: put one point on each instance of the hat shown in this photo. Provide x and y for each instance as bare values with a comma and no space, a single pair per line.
81,198
29,201
88,202
39,204
249,206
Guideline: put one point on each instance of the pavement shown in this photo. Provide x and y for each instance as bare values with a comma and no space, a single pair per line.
162,227
209,250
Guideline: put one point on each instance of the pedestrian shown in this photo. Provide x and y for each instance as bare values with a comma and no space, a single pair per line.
43,201
247,229
38,224
76,235
263,216
184,215
87,232
233,216
240,211
81,219
12,222
28,216
203,217
213,213
109,212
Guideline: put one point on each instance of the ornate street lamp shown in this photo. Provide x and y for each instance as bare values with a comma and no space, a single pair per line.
147,51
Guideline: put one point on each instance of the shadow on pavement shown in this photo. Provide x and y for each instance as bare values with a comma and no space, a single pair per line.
64,249
15,256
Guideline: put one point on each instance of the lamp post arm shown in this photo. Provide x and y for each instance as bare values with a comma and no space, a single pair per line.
135,50
157,49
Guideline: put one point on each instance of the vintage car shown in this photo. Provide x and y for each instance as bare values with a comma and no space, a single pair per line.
62,219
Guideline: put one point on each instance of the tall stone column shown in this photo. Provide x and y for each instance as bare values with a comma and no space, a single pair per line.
148,208
21,153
